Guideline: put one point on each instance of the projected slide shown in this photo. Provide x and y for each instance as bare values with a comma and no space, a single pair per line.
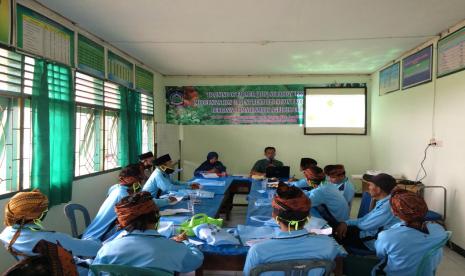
335,111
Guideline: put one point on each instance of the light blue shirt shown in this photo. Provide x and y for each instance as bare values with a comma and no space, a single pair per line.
149,249
161,180
292,245
106,216
346,188
301,183
29,238
332,198
404,248
380,217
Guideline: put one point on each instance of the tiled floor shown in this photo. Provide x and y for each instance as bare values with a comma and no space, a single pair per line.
452,263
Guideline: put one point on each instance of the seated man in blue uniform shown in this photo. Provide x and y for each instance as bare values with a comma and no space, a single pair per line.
290,210
259,168
160,182
23,215
146,165
328,203
402,247
140,245
336,174
361,233
211,165
303,183
104,224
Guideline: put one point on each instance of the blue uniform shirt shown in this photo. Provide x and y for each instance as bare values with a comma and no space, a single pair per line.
149,249
29,238
380,218
301,183
404,248
292,246
161,180
333,199
346,188
106,216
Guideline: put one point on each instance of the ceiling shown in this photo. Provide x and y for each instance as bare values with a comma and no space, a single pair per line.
263,37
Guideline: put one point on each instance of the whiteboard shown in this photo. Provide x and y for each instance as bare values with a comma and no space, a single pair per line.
167,139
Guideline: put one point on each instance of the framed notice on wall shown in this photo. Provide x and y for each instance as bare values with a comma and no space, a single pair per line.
120,70
91,57
5,21
417,68
451,53
42,36
389,79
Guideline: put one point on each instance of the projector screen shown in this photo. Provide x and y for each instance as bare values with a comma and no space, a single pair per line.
335,111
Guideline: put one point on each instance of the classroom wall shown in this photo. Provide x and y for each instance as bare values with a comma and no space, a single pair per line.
239,146
90,192
403,123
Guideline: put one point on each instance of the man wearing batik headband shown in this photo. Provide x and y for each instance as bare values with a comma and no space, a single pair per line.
336,175
404,244
103,225
160,182
140,245
291,210
24,213
303,182
328,203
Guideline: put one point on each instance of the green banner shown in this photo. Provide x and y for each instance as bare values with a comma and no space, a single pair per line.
91,57
144,80
246,104
5,21
120,70
44,37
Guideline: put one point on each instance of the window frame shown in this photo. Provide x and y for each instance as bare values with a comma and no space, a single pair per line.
150,95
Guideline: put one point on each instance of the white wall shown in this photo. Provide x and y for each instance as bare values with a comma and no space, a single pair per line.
89,192
402,124
239,146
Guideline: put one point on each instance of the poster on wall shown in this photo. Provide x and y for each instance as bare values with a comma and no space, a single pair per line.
42,36
5,21
120,70
451,53
417,68
389,79
238,104
90,57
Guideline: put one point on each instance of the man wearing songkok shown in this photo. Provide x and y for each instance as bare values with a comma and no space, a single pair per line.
290,210
328,203
146,165
362,232
259,168
211,165
303,182
160,182
103,225
24,213
402,247
140,245
336,175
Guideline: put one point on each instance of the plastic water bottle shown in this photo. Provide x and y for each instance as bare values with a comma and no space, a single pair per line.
264,184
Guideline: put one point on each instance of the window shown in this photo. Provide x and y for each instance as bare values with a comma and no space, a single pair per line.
15,121
148,142
97,125
335,111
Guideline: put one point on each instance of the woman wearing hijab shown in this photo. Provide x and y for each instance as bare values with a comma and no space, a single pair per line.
211,165
403,245
24,213
140,245
291,210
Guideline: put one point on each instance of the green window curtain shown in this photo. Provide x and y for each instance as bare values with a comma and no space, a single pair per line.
123,153
53,132
134,125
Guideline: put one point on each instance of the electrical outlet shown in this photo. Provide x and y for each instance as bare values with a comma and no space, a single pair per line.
435,142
